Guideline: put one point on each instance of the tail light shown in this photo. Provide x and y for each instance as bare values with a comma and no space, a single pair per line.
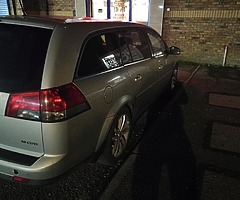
48,105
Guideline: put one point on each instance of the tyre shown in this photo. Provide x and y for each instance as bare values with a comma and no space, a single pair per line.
118,138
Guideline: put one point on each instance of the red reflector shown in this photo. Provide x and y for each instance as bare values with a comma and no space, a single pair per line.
20,179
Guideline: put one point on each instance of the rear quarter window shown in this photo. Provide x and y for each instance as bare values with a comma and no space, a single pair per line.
22,56
101,53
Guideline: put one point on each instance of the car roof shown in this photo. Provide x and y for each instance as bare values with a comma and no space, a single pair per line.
53,21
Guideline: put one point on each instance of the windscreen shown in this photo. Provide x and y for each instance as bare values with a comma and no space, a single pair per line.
22,56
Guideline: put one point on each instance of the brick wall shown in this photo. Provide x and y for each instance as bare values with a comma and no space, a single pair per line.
54,7
32,7
17,6
203,29
61,7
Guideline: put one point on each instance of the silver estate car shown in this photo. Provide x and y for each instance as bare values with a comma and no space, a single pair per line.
72,88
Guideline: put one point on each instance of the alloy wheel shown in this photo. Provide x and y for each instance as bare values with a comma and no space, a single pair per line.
121,135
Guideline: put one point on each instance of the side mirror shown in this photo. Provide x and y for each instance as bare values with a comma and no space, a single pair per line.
174,50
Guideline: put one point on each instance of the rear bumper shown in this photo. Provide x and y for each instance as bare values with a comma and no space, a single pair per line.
43,171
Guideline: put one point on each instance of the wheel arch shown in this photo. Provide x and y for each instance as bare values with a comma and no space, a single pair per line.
125,101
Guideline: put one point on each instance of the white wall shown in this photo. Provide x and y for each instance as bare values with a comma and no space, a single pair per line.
80,8
156,14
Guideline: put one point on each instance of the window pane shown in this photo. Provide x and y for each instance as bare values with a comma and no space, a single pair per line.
22,54
100,54
137,44
110,52
126,56
157,44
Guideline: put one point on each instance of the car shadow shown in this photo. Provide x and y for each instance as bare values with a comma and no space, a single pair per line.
165,166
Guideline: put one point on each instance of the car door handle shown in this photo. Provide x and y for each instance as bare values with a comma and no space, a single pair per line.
138,78
160,66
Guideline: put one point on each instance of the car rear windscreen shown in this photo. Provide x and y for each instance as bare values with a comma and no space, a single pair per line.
22,56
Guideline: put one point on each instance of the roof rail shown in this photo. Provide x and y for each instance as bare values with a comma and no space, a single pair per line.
80,19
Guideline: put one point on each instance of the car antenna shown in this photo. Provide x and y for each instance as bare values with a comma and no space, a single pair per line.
22,7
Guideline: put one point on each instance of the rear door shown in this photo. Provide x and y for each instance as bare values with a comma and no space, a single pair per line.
22,56
136,57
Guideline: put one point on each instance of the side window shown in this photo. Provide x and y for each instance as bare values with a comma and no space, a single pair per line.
157,44
134,45
100,53
126,55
